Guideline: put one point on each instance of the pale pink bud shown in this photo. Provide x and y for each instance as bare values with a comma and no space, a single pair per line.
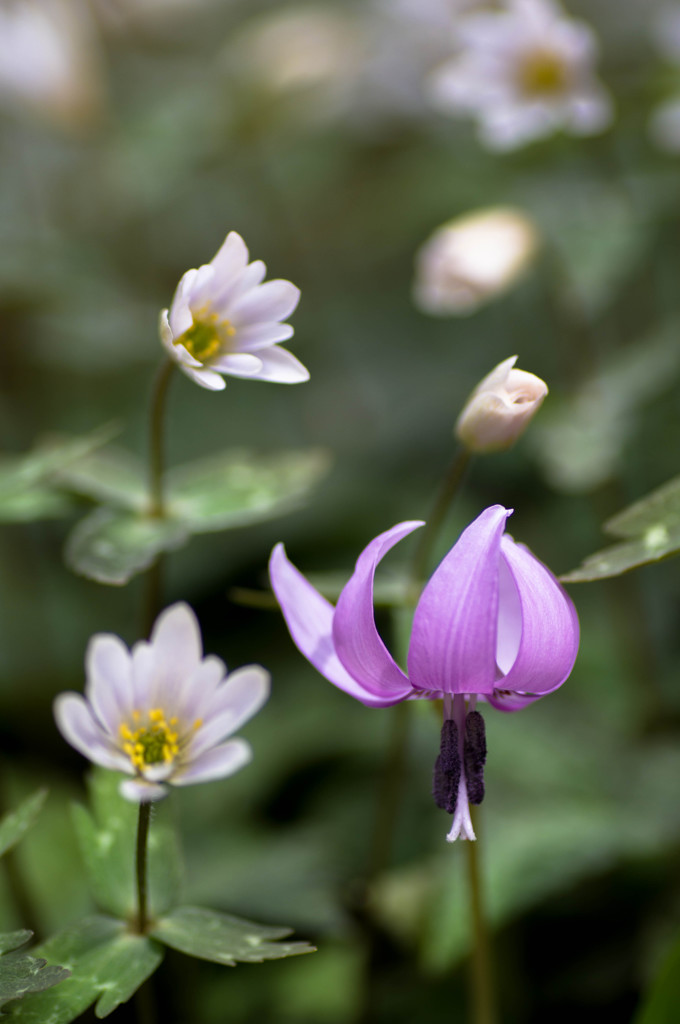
472,259
499,409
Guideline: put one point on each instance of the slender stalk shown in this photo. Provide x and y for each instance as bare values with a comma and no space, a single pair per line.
141,872
450,486
157,439
483,1003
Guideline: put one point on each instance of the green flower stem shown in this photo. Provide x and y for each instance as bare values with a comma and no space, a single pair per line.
141,867
450,486
157,439
483,1003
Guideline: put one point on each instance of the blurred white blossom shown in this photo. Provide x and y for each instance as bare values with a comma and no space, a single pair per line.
472,259
523,72
664,123
49,60
499,409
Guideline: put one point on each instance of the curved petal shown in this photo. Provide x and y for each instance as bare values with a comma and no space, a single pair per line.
236,700
356,639
109,689
505,700
237,364
253,337
177,650
231,257
228,290
78,727
309,618
281,367
273,300
550,631
215,763
140,792
204,378
453,641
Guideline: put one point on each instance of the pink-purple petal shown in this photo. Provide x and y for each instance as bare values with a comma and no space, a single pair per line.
453,640
356,639
309,618
550,630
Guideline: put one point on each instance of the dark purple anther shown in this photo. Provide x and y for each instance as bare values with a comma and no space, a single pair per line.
447,767
474,755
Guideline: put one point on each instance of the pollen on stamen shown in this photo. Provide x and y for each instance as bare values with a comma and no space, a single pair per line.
474,755
198,723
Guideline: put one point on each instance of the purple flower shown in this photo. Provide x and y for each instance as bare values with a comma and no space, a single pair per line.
492,624
160,711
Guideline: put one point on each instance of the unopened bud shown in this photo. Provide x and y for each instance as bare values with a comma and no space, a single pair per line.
472,259
499,409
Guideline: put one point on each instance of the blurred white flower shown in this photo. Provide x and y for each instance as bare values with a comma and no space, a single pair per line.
524,72
664,123
160,711
224,320
499,409
49,60
472,259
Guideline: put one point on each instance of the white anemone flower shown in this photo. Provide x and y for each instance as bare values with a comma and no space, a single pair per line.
224,320
523,73
160,711
470,260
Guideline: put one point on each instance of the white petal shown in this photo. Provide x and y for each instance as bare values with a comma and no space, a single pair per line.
236,700
237,364
205,378
227,291
109,688
281,367
215,763
177,652
79,728
231,258
274,300
197,692
253,337
140,792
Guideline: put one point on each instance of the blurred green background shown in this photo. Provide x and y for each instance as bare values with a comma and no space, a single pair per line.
177,137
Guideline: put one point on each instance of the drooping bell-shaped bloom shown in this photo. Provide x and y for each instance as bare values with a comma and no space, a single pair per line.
492,624
160,711
224,320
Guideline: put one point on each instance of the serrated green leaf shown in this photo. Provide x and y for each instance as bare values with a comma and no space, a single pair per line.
107,963
112,476
14,940
656,511
657,543
224,939
239,487
107,839
16,823
111,545
662,1002
21,973
28,486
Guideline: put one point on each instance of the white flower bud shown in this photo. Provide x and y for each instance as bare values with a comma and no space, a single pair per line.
472,259
499,409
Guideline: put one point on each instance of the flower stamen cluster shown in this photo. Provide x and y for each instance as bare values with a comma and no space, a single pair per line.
155,743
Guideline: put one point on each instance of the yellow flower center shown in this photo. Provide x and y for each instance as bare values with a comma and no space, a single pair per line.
206,336
156,742
542,72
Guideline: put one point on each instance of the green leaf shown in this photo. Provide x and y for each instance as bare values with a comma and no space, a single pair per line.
111,545
29,487
239,487
16,823
21,973
107,964
107,840
651,527
224,939
112,476
662,1002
